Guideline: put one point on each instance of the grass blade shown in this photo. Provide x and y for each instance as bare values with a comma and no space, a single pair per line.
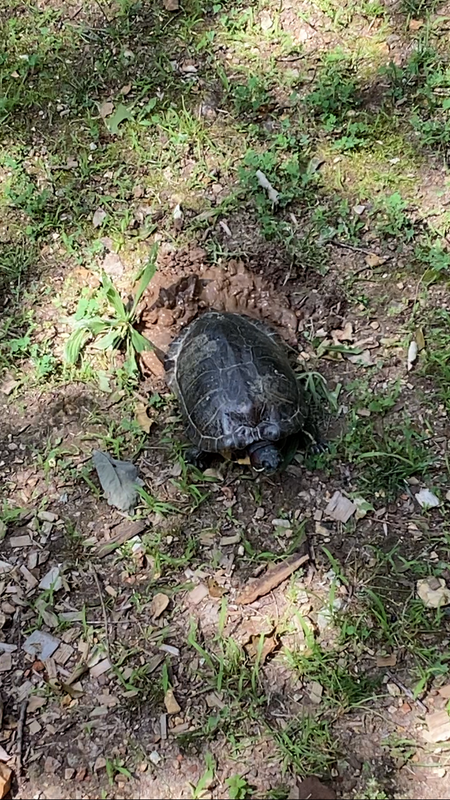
113,296
145,278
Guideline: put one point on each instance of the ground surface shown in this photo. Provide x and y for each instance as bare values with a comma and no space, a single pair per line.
129,124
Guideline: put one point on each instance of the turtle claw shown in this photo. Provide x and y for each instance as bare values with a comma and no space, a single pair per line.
319,447
196,458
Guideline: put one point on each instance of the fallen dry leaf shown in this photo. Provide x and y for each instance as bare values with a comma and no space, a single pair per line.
372,260
420,338
99,217
8,385
427,499
142,418
438,727
170,702
256,652
433,592
271,579
363,359
159,604
344,334
413,351
171,5
5,779
105,109
215,590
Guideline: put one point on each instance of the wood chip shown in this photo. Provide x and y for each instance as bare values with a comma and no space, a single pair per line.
169,648
100,668
198,594
20,541
271,579
315,691
4,756
34,727
5,647
387,661
32,582
63,653
170,702
123,532
340,508
5,662
159,604
50,666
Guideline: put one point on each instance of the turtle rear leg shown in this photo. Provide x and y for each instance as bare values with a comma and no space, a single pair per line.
197,458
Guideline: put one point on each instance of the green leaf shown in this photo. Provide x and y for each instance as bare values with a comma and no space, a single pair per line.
139,342
110,339
121,113
75,344
145,278
113,296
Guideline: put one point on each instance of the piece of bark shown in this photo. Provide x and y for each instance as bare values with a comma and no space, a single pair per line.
271,579
123,532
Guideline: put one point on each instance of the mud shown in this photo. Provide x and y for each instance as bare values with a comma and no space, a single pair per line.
172,301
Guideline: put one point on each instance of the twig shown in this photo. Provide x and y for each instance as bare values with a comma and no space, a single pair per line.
105,617
407,691
102,10
20,727
353,247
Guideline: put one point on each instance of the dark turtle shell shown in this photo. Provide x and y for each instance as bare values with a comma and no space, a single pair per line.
234,383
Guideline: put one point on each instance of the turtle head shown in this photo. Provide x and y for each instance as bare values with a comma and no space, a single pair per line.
264,457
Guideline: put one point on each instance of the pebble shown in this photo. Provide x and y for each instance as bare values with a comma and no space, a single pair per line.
281,523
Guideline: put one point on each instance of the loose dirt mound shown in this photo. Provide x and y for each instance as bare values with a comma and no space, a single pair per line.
185,285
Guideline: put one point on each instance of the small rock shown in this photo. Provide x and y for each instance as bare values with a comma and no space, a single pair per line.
154,757
281,523
393,689
69,772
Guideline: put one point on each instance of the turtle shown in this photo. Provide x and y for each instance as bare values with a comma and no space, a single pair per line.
236,389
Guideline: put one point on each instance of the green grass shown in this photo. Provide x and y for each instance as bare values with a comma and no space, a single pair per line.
333,126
